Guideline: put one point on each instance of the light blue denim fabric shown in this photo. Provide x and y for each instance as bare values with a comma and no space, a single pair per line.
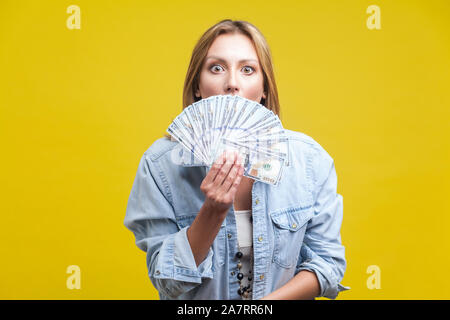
296,225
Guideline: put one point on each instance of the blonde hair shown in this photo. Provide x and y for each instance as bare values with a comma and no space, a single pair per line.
227,26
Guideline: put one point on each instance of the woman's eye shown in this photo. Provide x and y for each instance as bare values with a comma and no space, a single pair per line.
216,68
248,69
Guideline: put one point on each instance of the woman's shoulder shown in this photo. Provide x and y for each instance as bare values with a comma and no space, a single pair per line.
301,138
301,142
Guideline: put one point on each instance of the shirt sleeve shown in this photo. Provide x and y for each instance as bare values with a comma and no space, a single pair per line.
322,251
151,218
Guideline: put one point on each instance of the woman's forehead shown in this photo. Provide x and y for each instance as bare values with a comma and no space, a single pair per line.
225,58
232,46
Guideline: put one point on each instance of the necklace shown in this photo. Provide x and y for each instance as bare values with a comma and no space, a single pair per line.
245,288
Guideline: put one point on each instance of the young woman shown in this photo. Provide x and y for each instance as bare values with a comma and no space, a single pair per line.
220,235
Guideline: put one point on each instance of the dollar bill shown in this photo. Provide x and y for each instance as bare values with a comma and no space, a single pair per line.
207,127
261,166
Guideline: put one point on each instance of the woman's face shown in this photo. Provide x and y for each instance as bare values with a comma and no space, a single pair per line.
231,67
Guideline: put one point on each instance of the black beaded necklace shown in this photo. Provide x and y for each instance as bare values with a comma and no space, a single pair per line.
244,291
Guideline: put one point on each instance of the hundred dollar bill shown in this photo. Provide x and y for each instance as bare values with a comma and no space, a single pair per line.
259,166
232,129
186,126
256,149
181,156
229,110
196,131
271,126
265,169
203,119
254,116
278,144
184,141
225,145
209,112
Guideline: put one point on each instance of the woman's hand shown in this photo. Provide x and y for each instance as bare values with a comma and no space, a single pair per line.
222,181
219,186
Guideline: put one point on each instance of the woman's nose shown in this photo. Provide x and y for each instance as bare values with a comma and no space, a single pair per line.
232,90
231,85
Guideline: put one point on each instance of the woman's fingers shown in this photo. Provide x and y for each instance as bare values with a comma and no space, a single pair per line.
231,177
221,183
215,168
237,181
225,169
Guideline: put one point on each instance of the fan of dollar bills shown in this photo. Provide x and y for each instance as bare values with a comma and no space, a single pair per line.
223,122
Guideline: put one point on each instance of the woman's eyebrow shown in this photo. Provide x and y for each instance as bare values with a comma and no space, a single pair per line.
224,61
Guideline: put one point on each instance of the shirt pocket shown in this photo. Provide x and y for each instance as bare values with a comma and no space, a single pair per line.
289,226
219,243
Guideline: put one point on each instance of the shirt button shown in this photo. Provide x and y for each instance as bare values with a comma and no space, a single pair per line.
157,272
232,273
229,236
261,277
256,201
260,238
294,225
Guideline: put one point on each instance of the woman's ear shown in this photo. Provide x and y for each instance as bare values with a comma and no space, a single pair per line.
197,93
263,99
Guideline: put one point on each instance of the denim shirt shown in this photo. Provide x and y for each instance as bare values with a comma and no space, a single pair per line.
296,225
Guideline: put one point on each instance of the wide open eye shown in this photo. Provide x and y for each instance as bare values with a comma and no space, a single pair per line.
248,69
216,68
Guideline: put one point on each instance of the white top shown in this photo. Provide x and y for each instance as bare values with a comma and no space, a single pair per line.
245,239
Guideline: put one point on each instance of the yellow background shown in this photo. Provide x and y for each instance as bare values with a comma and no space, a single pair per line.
79,108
